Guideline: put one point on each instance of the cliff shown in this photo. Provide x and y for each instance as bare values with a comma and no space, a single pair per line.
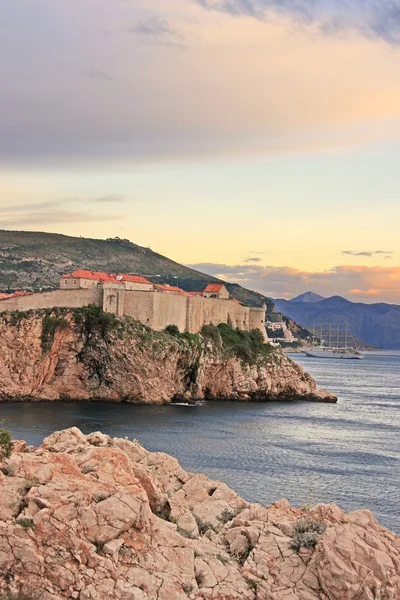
87,354
94,518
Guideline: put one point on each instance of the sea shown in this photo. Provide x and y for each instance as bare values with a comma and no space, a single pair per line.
347,453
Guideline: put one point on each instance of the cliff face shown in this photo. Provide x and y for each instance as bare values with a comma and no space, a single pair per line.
53,357
95,518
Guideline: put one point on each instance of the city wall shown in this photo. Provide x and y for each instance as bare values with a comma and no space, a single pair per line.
54,299
155,309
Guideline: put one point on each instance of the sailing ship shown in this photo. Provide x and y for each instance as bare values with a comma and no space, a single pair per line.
333,341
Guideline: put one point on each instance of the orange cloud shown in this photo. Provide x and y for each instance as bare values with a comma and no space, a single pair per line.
360,283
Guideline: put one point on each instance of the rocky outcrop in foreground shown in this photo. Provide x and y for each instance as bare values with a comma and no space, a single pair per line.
86,354
95,518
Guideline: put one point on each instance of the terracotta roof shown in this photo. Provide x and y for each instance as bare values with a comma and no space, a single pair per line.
170,288
238,301
92,275
105,277
133,279
214,287
194,293
15,294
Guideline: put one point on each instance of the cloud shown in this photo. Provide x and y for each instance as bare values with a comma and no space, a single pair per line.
54,211
386,254
103,100
100,75
158,31
249,259
370,18
50,218
357,283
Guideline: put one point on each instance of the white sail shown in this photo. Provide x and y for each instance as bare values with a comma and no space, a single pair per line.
333,342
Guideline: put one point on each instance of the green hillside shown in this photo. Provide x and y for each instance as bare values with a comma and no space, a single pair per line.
34,261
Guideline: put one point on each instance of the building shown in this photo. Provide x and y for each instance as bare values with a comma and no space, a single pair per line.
216,290
152,304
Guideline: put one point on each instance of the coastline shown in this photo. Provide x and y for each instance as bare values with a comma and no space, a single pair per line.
131,524
131,363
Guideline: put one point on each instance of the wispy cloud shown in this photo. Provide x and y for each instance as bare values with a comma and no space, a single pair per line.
100,75
60,210
159,32
386,254
361,283
250,259
370,18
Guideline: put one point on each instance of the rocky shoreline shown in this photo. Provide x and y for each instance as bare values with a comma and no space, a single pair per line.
50,356
94,518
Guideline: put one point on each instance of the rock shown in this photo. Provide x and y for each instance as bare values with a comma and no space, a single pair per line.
158,371
171,535
113,546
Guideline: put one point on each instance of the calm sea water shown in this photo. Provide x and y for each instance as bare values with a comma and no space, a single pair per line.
346,453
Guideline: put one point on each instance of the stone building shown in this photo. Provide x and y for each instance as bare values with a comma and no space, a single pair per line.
154,305
216,290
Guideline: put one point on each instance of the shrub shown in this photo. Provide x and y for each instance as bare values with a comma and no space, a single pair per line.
210,332
92,319
6,444
49,328
249,346
305,533
172,330
25,523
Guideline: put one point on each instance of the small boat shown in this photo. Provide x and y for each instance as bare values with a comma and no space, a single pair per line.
334,332
334,353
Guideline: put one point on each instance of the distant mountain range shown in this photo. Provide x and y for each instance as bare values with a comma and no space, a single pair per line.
377,324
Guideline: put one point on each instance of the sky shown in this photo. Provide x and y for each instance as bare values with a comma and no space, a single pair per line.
256,140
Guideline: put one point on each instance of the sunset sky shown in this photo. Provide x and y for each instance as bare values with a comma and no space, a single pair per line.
257,140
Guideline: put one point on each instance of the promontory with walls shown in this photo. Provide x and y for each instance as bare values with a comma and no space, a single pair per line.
156,306
87,354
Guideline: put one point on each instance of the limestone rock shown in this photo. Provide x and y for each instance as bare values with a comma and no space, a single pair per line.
126,367
103,518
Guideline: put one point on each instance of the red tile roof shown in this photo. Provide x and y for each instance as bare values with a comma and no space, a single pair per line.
15,295
237,301
92,275
105,277
170,288
133,279
213,288
194,293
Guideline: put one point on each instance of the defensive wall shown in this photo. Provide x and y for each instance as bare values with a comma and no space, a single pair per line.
53,299
153,308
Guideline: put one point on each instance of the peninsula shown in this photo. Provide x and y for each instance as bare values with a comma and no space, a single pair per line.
88,354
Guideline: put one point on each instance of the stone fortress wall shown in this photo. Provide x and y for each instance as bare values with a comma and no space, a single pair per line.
154,308
54,299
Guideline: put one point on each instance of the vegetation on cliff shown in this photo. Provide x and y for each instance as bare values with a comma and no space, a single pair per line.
85,353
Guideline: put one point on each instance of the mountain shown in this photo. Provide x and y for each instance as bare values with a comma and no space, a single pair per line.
376,324
308,297
34,261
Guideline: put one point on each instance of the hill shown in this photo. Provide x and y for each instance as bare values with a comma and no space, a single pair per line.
377,324
34,261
